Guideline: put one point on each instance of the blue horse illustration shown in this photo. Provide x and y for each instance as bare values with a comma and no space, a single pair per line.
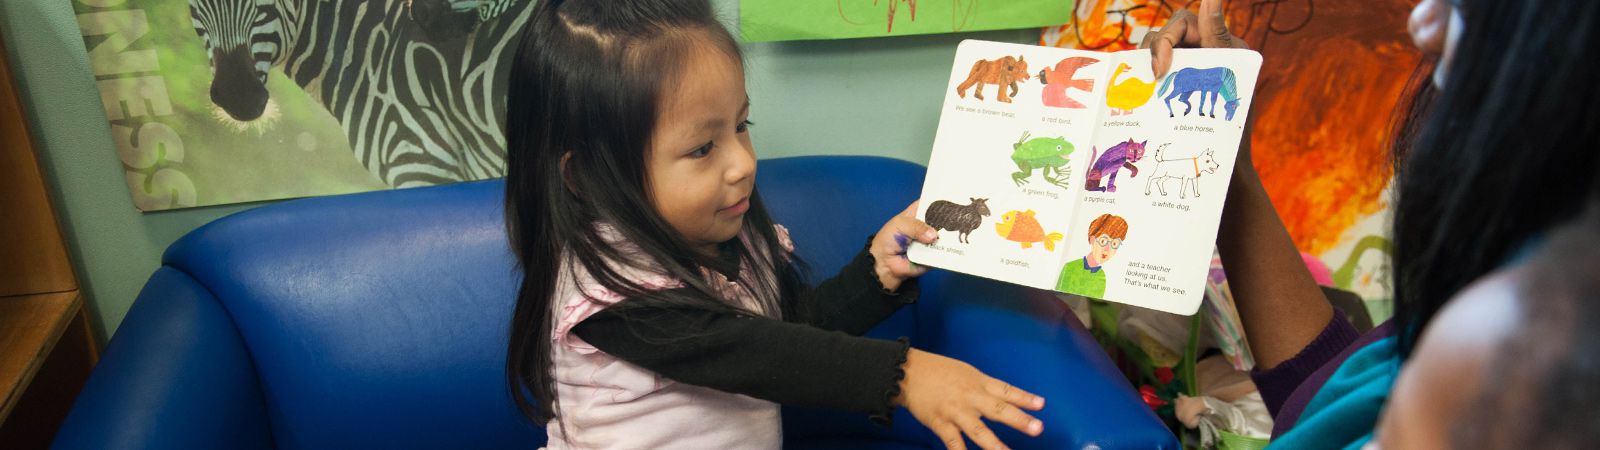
1208,82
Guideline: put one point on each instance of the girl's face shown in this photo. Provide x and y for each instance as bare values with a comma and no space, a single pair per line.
701,166
1435,28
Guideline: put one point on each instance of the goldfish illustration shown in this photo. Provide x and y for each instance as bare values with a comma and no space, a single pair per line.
1021,227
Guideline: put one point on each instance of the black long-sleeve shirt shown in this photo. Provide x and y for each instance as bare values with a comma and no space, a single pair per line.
821,362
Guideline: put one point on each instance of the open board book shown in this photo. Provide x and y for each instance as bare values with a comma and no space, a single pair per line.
1080,172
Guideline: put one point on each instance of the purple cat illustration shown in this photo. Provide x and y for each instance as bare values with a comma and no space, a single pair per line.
1107,165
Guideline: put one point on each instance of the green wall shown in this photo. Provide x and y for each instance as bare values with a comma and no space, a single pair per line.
862,96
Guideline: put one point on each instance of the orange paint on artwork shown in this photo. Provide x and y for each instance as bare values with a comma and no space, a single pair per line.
1107,25
1330,159
1335,74
1324,110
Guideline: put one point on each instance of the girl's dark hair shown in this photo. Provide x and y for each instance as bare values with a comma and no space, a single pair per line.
1538,386
1506,151
586,88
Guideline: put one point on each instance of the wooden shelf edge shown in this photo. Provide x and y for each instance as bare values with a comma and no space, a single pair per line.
30,327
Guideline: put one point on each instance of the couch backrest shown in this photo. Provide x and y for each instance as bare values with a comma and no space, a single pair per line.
374,318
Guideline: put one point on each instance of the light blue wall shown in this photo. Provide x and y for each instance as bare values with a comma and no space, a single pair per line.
863,96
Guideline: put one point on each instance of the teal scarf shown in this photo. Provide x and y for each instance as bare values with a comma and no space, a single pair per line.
1344,412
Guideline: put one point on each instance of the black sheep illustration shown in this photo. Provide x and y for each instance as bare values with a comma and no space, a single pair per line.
944,215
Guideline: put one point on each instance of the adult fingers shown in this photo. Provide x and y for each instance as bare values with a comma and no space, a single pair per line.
980,434
1181,30
1150,39
1214,27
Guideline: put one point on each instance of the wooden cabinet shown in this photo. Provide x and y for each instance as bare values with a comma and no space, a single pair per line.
46,343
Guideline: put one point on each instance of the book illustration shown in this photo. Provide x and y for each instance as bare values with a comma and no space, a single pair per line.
1186,170
1128,95
1087,136
1004,72
1106,166
1022,228
946,215
1057,80
1213,82
1086,276
1047,154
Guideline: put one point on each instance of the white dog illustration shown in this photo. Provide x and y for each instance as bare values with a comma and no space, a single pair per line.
1186,170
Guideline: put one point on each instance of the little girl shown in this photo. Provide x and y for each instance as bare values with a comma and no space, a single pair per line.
660,306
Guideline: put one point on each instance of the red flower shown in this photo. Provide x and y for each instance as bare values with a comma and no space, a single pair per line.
1164,375
1150,397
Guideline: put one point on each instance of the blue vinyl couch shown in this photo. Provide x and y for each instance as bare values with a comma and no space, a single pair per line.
378,320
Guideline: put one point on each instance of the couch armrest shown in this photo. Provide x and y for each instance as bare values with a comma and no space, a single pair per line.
1024,336
175,375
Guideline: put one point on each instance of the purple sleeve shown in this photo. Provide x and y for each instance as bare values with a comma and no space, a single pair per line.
1276,384
1287,388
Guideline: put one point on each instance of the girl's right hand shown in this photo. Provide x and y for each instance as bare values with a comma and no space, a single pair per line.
952,398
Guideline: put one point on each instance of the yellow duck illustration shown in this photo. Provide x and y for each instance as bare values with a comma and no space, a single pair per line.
1131,93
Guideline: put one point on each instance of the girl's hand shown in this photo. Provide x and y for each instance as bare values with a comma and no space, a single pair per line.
1184,29
889,247
952,398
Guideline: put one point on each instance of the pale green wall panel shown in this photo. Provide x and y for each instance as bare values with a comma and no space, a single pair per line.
864,96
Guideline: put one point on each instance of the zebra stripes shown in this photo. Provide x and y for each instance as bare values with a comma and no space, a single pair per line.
418,106
493,8
254,27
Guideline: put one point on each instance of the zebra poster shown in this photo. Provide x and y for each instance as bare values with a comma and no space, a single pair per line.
225,101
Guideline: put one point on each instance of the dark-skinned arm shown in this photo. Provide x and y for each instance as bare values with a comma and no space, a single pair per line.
1279,302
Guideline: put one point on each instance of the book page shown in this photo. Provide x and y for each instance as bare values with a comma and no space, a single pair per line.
1162,159
1079,172
1007,163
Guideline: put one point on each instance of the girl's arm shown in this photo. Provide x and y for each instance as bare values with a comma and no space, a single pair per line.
854,300
802,365
876,283
778,361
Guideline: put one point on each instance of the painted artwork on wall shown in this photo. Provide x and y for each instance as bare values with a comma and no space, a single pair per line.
786,20
1320,142
225,101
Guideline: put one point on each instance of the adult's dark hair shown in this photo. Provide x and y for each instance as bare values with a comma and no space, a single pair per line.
585,95
1538,388
1506,150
